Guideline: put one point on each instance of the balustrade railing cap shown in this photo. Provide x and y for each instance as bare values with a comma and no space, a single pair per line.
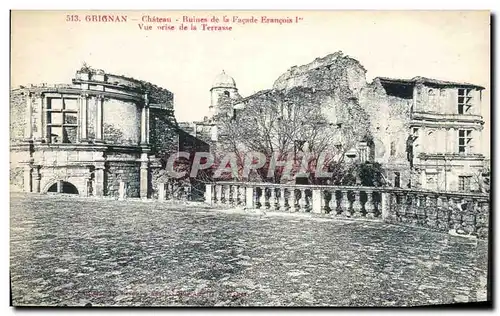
356,188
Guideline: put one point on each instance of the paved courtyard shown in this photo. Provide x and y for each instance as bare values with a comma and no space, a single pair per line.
76,251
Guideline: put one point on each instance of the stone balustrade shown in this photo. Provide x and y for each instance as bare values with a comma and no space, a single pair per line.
463,213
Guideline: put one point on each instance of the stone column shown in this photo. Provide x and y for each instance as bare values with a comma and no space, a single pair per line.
27,185
208,194
83,116
317,201
28,132
144,176
59,186
147,124
99,179
249,197
99,122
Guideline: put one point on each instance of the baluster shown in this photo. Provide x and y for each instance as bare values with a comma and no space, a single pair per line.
273,205
346,204
431,211
235,195
262,198
243,195
227,194
411,206
332,205
302,201
420,211
448,208
441,213
401,206
218,193
291,201
282,200
369,207
456,215
356,204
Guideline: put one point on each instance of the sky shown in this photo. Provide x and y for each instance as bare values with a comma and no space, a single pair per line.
451,45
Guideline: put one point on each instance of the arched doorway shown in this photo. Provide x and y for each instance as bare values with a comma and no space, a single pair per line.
63,187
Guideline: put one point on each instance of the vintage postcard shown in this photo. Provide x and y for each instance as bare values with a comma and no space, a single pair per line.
250,158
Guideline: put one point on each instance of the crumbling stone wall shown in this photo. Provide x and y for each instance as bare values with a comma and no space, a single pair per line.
129,172
121,122
17,114
163,135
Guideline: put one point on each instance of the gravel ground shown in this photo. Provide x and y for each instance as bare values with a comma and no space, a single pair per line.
76,251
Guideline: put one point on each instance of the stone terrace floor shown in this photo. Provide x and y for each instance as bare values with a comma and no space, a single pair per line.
130,253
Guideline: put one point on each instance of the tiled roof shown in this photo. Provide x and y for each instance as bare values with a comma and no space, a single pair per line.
431,81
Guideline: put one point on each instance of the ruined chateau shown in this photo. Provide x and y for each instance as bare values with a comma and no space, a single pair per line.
105,131
92,136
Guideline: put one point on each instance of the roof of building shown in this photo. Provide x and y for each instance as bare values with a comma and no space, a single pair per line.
430,81
223,81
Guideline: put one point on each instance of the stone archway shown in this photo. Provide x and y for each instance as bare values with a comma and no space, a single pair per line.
63,187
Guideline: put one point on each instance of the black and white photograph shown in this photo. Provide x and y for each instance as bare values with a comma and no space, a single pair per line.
250,158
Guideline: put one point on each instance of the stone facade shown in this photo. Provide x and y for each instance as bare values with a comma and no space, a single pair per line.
437,125
425,132
88,136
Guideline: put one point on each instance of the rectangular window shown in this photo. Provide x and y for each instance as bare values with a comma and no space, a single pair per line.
464,100
464,183
62,120
464,141
393,149
397,179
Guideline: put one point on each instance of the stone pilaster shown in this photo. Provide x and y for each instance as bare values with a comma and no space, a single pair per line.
36,179
43,117
249,197
99,178
28,131
83,116
98,118
144,176
317,202
27,185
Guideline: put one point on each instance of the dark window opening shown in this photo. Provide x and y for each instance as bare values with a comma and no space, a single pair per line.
464,183
63,187
393,149
464,100
464,141
397,179
399,90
